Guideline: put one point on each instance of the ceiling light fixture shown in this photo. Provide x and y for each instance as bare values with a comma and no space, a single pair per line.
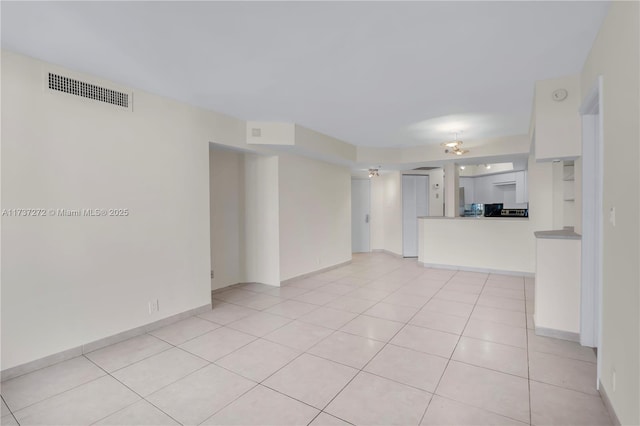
462,167
453,147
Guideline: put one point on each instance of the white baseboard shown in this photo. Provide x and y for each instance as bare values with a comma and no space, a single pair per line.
390,253
49,360
474,269
319,271
557,334
607,404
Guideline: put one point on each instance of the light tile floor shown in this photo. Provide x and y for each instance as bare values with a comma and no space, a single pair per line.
380,341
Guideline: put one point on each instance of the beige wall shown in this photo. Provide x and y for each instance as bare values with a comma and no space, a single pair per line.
226,188
67,281
615,56
557,123
485,243
262,213
315,215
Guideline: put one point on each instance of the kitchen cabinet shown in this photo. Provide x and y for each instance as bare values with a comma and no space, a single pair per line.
507,188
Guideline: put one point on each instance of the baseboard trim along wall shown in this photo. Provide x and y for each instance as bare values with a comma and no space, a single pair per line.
485,270
319,271
390,253
607,404
47,361
557,334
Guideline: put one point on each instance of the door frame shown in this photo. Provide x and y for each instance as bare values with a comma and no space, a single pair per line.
591,112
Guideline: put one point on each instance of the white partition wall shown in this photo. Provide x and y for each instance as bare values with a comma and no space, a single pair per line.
415,203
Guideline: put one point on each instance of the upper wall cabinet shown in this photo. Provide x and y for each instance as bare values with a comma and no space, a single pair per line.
557,121
507,188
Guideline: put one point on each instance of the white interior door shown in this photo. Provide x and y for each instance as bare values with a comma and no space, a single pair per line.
360,213
415,203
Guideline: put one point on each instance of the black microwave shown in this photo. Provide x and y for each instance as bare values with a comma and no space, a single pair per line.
493,210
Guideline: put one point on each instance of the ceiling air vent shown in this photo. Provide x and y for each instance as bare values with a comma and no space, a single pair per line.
87,90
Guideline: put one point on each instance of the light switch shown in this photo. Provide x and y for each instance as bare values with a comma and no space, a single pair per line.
612,216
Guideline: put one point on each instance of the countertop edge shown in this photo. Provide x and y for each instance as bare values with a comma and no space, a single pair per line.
479,218
558,234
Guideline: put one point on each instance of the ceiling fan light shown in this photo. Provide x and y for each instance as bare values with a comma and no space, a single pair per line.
452,144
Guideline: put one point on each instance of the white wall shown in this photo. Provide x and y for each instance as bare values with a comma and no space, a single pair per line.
226,187
615,56
271,133
67,281
262,219
315,215
557,123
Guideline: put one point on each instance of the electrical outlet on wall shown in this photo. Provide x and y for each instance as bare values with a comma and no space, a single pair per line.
154,306
212,274
612,216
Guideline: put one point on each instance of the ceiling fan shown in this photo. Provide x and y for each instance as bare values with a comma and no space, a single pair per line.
453,147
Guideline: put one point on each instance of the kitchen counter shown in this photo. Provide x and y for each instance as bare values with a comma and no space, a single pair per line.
559,234
485,243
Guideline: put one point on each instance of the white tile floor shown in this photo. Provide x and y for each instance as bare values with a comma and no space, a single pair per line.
378,342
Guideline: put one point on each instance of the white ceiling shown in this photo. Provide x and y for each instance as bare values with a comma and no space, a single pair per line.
369,73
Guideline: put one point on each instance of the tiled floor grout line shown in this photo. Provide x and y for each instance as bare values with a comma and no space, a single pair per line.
59,393
305,352
385,343
256,383
192,372
380,350
435,389
526,313
229,403
10,411
141,397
